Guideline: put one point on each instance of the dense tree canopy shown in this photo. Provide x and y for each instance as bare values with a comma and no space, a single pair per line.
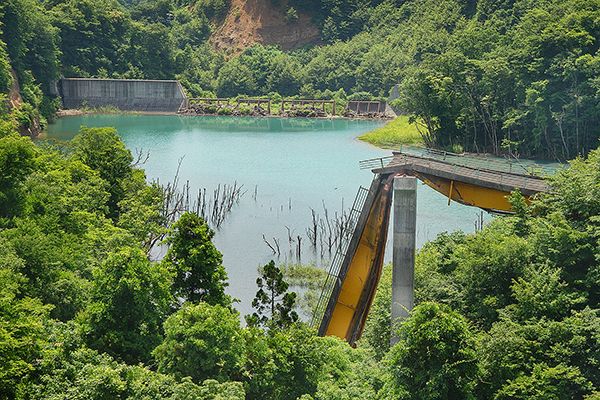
103,151
434,357
22,322
507,312
16,162
201,341
130,300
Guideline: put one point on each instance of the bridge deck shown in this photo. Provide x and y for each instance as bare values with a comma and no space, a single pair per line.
481,176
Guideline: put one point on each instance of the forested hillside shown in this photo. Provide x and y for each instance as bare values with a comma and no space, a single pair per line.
510,312
517,77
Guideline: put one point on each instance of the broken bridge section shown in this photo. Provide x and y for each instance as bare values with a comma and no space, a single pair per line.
346,298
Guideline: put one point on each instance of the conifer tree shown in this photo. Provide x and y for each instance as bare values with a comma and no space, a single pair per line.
274,305
196,262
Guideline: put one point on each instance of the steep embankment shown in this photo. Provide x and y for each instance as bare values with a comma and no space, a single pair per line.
14,93
259,21
32,125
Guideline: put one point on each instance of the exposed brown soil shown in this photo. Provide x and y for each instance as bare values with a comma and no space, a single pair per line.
14,101
259,21
14,94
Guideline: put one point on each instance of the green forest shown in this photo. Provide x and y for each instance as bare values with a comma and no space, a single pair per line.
509,312
515,77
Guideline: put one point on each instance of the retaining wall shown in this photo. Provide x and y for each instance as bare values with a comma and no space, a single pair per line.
366,107
124,94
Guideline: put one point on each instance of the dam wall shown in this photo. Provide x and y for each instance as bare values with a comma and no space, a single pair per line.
124,94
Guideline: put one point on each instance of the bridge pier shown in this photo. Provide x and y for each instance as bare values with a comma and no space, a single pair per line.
403,257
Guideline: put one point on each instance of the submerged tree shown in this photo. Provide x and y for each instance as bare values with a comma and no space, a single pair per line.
273,304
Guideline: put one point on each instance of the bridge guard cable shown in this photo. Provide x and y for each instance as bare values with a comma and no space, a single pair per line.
356,284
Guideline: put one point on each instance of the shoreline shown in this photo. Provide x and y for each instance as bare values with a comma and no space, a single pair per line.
78,112
360,138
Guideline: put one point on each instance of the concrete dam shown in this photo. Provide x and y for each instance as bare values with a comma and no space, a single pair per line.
124,94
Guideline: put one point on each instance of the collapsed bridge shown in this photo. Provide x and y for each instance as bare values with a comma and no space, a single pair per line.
350,287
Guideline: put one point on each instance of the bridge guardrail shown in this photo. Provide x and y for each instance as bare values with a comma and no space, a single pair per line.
457,160
373,163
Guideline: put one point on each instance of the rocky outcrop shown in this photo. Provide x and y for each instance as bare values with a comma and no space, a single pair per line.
33,129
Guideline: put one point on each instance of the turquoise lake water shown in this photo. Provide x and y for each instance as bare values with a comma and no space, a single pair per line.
294,164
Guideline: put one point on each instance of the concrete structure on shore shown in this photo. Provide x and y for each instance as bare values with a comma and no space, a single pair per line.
124,94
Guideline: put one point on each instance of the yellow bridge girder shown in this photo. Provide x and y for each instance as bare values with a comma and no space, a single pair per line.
469,194
364,270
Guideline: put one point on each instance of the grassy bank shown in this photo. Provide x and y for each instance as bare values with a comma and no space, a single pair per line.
393,134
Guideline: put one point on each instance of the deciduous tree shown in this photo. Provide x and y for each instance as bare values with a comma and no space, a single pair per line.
202,342
130,300
435,356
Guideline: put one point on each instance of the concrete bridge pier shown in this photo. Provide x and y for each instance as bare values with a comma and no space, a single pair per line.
404,243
